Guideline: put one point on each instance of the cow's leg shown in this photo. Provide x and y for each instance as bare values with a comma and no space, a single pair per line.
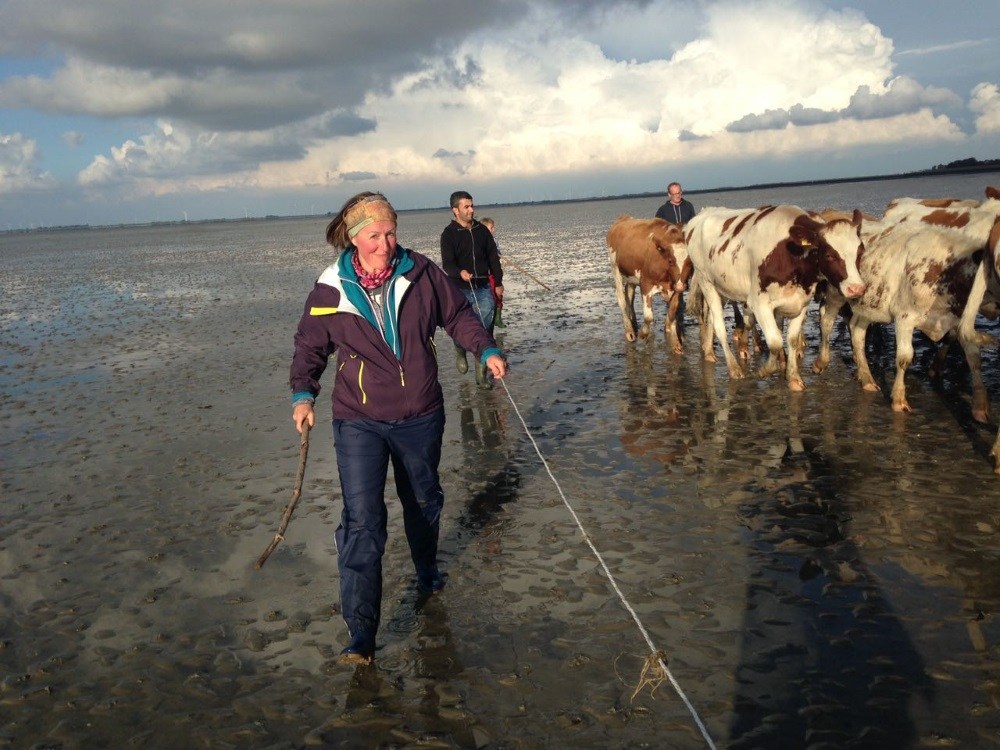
980,399
796,343
773,337
670,327
800,341
739,332
745,329
828,310
698,306
936,371
624,293
859,327
714,302
779,320
754,331
646,293
904,356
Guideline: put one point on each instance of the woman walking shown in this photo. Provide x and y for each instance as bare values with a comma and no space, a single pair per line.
378,308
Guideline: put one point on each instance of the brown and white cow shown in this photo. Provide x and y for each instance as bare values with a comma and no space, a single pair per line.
970,218
770,259
899,209
918,278
649,254
987,278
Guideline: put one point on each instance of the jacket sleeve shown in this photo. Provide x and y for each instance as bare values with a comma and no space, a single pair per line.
449,253
313,345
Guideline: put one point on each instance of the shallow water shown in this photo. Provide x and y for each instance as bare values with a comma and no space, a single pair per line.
817,570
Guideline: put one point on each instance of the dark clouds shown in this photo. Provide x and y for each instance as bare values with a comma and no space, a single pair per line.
902,96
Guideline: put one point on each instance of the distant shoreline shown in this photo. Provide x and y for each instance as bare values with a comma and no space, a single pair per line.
985,168
982,169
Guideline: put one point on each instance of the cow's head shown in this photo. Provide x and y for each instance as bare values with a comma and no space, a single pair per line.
839,249
669,241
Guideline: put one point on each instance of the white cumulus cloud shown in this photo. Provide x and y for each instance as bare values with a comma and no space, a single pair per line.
19,164
986,104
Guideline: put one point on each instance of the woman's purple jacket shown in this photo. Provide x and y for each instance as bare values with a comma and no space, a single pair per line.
380,375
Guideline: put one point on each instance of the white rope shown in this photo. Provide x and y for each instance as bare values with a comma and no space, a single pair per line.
611,578
607,571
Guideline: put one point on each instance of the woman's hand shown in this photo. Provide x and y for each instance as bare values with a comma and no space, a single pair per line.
303,414
497,365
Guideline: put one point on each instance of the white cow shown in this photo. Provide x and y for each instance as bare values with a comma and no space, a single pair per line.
918,278
770,259
972,219
901,209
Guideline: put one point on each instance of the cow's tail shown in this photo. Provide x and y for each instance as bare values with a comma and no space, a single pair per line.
696,300
985,271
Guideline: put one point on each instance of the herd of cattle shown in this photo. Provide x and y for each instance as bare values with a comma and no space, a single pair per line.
927,265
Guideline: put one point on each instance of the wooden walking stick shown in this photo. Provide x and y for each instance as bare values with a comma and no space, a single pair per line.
296,491
506,259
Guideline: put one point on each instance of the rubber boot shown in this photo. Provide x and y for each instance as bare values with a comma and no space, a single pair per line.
498,318
360,651
429,580
482,380
460,361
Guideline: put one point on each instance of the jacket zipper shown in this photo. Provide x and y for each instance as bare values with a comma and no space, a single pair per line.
381,330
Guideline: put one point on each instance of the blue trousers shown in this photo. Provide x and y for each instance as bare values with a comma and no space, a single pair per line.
364,448
483,304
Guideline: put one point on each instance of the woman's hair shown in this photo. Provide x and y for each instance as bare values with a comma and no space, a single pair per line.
357,212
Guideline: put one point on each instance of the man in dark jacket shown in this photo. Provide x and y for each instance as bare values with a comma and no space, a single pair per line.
469,255
677,210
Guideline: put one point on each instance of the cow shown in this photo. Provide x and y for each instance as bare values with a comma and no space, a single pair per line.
987,277
771,259
944,212
971,218
900,207
650,254
918,278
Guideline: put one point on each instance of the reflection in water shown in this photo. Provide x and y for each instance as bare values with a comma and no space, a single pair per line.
824,657
837,506
407,697
483,434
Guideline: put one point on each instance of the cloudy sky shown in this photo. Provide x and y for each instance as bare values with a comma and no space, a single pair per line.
117,111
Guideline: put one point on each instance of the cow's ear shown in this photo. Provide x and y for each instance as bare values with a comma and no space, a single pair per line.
802,236
856,219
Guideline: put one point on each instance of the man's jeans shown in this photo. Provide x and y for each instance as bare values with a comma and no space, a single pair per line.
483,304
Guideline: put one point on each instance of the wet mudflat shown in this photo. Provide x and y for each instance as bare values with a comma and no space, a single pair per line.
817,570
